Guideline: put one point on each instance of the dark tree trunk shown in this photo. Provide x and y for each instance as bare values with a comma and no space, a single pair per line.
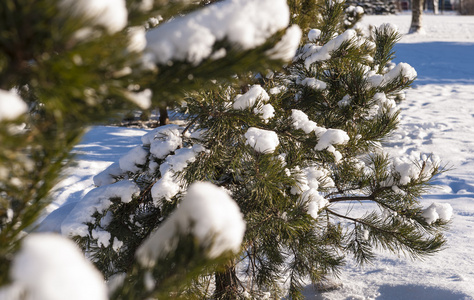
226,284
416,16
164,119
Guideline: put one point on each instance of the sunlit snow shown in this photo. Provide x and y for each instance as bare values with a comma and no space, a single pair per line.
436,117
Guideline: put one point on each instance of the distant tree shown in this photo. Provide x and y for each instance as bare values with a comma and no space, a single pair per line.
416,16
466,7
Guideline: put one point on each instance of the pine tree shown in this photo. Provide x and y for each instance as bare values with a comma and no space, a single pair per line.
66,65
295,149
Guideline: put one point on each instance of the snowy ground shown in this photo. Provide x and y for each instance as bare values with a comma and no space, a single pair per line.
437,117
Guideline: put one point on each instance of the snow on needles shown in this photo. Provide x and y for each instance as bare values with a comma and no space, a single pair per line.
402,69
111,14
51,267
441,211
11,105
286,48
302,121
324,53
209,214
327,137
168,186
249,99
264,141
136,156
245,23
97,200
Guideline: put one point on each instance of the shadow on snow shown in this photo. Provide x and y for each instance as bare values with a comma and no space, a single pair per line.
439,62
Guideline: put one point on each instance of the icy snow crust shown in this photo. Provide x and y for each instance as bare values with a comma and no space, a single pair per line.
245,23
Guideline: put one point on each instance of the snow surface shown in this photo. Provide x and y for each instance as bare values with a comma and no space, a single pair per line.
436,117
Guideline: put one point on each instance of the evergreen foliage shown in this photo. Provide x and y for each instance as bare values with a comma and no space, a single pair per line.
74,67
289,193
295,148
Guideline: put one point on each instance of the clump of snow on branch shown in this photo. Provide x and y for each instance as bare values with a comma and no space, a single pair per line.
264,141
388,28
310,179
315,202
168,186
163,140
318,177
137,37
245,23
286,48
11,105
51,267
314,35
313,83
266,112
130,161
408,170
249,99
355,9
381,103
441,211
141,99
332,137
102,237
165,188
374,79
160,132
111,14
209,214
97,200
302,121
109,175
345,101
324,52
329,138
403,70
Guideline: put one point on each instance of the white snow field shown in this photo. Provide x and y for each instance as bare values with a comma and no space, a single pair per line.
436,117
